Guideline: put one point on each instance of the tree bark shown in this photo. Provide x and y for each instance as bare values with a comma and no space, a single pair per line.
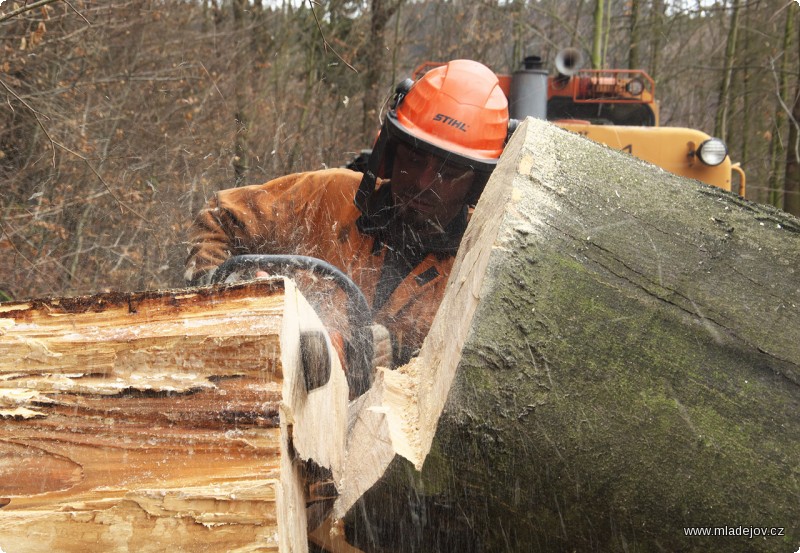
162,421
616,359
791,185
597,37
635,36
721,119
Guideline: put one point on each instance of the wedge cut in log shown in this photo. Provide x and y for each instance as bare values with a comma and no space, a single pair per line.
616,363
162,421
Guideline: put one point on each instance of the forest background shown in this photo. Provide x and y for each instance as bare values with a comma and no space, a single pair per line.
120,118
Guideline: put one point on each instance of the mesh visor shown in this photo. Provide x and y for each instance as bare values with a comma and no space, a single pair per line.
482,167
375,204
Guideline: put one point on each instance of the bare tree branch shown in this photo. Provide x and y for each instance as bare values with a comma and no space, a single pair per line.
54,143
325,42
786,108
27,8
67,2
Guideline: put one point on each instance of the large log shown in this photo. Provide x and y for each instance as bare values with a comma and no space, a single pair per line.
162,421
617,358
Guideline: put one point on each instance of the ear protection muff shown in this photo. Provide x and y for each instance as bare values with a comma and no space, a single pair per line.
400,92
381,159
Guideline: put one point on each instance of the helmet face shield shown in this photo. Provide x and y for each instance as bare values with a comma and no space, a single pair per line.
428,193
397,134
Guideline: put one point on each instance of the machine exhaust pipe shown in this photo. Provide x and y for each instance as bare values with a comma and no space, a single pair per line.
528,94
568,62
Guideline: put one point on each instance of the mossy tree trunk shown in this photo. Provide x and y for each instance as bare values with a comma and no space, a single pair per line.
621,351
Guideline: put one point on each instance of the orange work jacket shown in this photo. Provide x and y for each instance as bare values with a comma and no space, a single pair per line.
313,214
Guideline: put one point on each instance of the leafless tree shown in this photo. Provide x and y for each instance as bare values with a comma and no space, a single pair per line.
119,119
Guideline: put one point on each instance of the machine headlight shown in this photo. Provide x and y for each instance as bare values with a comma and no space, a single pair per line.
712,152
635,87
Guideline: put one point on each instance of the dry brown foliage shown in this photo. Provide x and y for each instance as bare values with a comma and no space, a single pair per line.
119,119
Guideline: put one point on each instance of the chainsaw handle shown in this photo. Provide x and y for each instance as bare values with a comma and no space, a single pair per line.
359,314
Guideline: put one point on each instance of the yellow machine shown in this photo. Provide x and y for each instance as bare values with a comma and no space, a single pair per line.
617,108
686,152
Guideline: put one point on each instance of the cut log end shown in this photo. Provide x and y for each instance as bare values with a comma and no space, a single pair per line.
160,421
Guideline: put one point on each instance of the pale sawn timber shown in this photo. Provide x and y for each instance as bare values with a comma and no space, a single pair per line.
617,358
160,421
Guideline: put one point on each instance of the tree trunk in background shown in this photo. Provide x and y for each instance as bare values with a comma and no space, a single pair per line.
721,119
518,25
744,134
635,36
574,39
597,38
242,71
777,155
656,34
617,357
380,13
791,186
607,32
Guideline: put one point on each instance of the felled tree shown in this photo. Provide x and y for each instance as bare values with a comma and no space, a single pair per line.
616,359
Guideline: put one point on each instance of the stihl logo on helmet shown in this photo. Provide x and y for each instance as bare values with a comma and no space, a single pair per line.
450,121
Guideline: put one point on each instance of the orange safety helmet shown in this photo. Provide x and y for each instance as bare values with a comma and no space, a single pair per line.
457,112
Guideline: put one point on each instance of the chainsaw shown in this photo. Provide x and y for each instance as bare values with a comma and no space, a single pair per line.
359,350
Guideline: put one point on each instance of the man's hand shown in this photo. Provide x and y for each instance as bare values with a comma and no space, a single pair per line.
382,347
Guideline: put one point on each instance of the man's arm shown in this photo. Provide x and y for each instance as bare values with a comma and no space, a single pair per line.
238,221
287,215
210,243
